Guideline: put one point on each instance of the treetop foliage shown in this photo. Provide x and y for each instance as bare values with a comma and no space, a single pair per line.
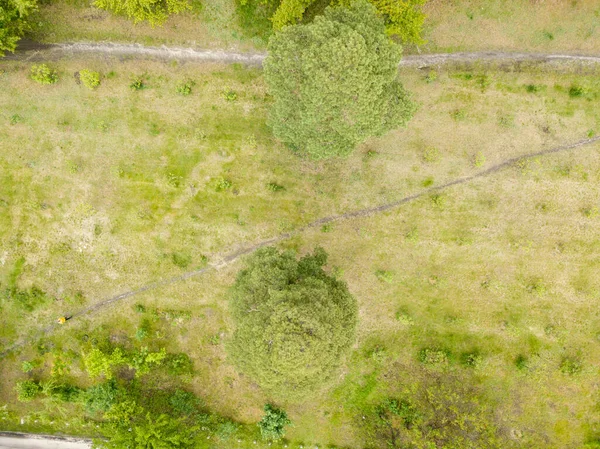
293,322
13,22
334,82
403,18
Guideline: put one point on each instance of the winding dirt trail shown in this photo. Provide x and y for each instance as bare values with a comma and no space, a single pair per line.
29,50
242,250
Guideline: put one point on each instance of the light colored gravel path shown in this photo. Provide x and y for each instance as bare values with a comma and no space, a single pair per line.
16,440
35,51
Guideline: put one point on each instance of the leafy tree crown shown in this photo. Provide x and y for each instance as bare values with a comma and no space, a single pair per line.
334,82
293,322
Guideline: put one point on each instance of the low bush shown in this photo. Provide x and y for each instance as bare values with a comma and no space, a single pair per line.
184,402
65,392
179,364
90,79
185,88
272,425
101,397
43,74
429,356
28,390
137,84
229,95
570,366
27,300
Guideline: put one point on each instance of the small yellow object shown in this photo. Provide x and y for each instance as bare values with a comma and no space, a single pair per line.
62,320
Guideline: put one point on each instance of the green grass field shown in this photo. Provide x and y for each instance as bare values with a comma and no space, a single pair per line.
104,191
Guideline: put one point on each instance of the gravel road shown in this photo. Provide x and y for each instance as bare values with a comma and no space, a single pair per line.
16,440
29,50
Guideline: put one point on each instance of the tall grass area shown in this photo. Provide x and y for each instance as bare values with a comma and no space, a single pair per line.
489,287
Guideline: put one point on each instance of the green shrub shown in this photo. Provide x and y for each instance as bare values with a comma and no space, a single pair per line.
570,366
222,184
229,95
429,356
576,91
325,101
154,12
143,360
140,308
293,321
521,362
29,365
98,363
43,74
327,227
184,88
272,425
532,88
443,411
403,18
90,79
431,154
27,390
143,430
181,260
404,410
143,331
438,200
227,430
179,364
184,402
385,276
404,318
27,300
471,359
137,84
65,392
274,187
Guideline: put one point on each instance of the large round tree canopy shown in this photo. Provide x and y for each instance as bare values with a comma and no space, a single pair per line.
334,82
293,322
